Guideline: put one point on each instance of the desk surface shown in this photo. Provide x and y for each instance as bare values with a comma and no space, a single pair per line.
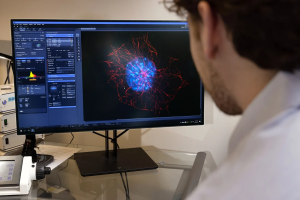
163,183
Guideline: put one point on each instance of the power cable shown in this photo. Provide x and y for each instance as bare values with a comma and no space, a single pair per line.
71,140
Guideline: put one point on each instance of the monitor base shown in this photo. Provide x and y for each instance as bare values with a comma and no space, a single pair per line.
126,160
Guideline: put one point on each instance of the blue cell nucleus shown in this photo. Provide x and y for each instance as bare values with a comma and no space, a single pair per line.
140,74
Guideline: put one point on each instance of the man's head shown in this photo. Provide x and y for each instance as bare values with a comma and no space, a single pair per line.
239,45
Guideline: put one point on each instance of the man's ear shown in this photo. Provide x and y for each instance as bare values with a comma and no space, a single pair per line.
209,34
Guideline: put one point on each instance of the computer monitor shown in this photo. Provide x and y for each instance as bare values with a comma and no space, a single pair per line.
74,75
104,75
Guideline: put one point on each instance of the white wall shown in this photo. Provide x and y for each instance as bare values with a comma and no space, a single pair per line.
212,137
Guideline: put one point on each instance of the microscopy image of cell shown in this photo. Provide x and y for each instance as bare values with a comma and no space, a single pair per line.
140,77
140,74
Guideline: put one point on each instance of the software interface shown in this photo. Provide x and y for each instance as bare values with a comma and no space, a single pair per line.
104,75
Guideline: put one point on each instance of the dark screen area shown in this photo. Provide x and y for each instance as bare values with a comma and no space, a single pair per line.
173,87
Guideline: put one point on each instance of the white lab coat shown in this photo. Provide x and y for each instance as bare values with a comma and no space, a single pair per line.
264,150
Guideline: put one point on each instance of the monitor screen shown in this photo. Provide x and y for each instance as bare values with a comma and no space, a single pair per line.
104,75
7,170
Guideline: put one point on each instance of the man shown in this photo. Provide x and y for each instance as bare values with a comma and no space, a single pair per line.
247,53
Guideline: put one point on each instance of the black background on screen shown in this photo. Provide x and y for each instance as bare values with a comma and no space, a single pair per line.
100,99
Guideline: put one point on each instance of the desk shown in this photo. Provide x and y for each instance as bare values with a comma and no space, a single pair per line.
166,183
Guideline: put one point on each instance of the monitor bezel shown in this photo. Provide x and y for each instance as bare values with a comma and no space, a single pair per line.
70,129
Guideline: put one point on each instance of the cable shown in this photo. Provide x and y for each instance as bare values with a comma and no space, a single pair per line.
124,184
127,185
38,184
111,139
60,171
101,135
67,162
9,65
120,135
7,80
116,143
6,56
47,135
127,193
71,140
12,67
114,140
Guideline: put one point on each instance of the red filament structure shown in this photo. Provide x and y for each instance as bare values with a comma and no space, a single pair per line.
164,85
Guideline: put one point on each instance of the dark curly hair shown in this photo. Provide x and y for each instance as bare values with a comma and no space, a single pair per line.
264,31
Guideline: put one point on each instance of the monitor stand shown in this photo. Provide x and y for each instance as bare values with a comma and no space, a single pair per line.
113,161
28,150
